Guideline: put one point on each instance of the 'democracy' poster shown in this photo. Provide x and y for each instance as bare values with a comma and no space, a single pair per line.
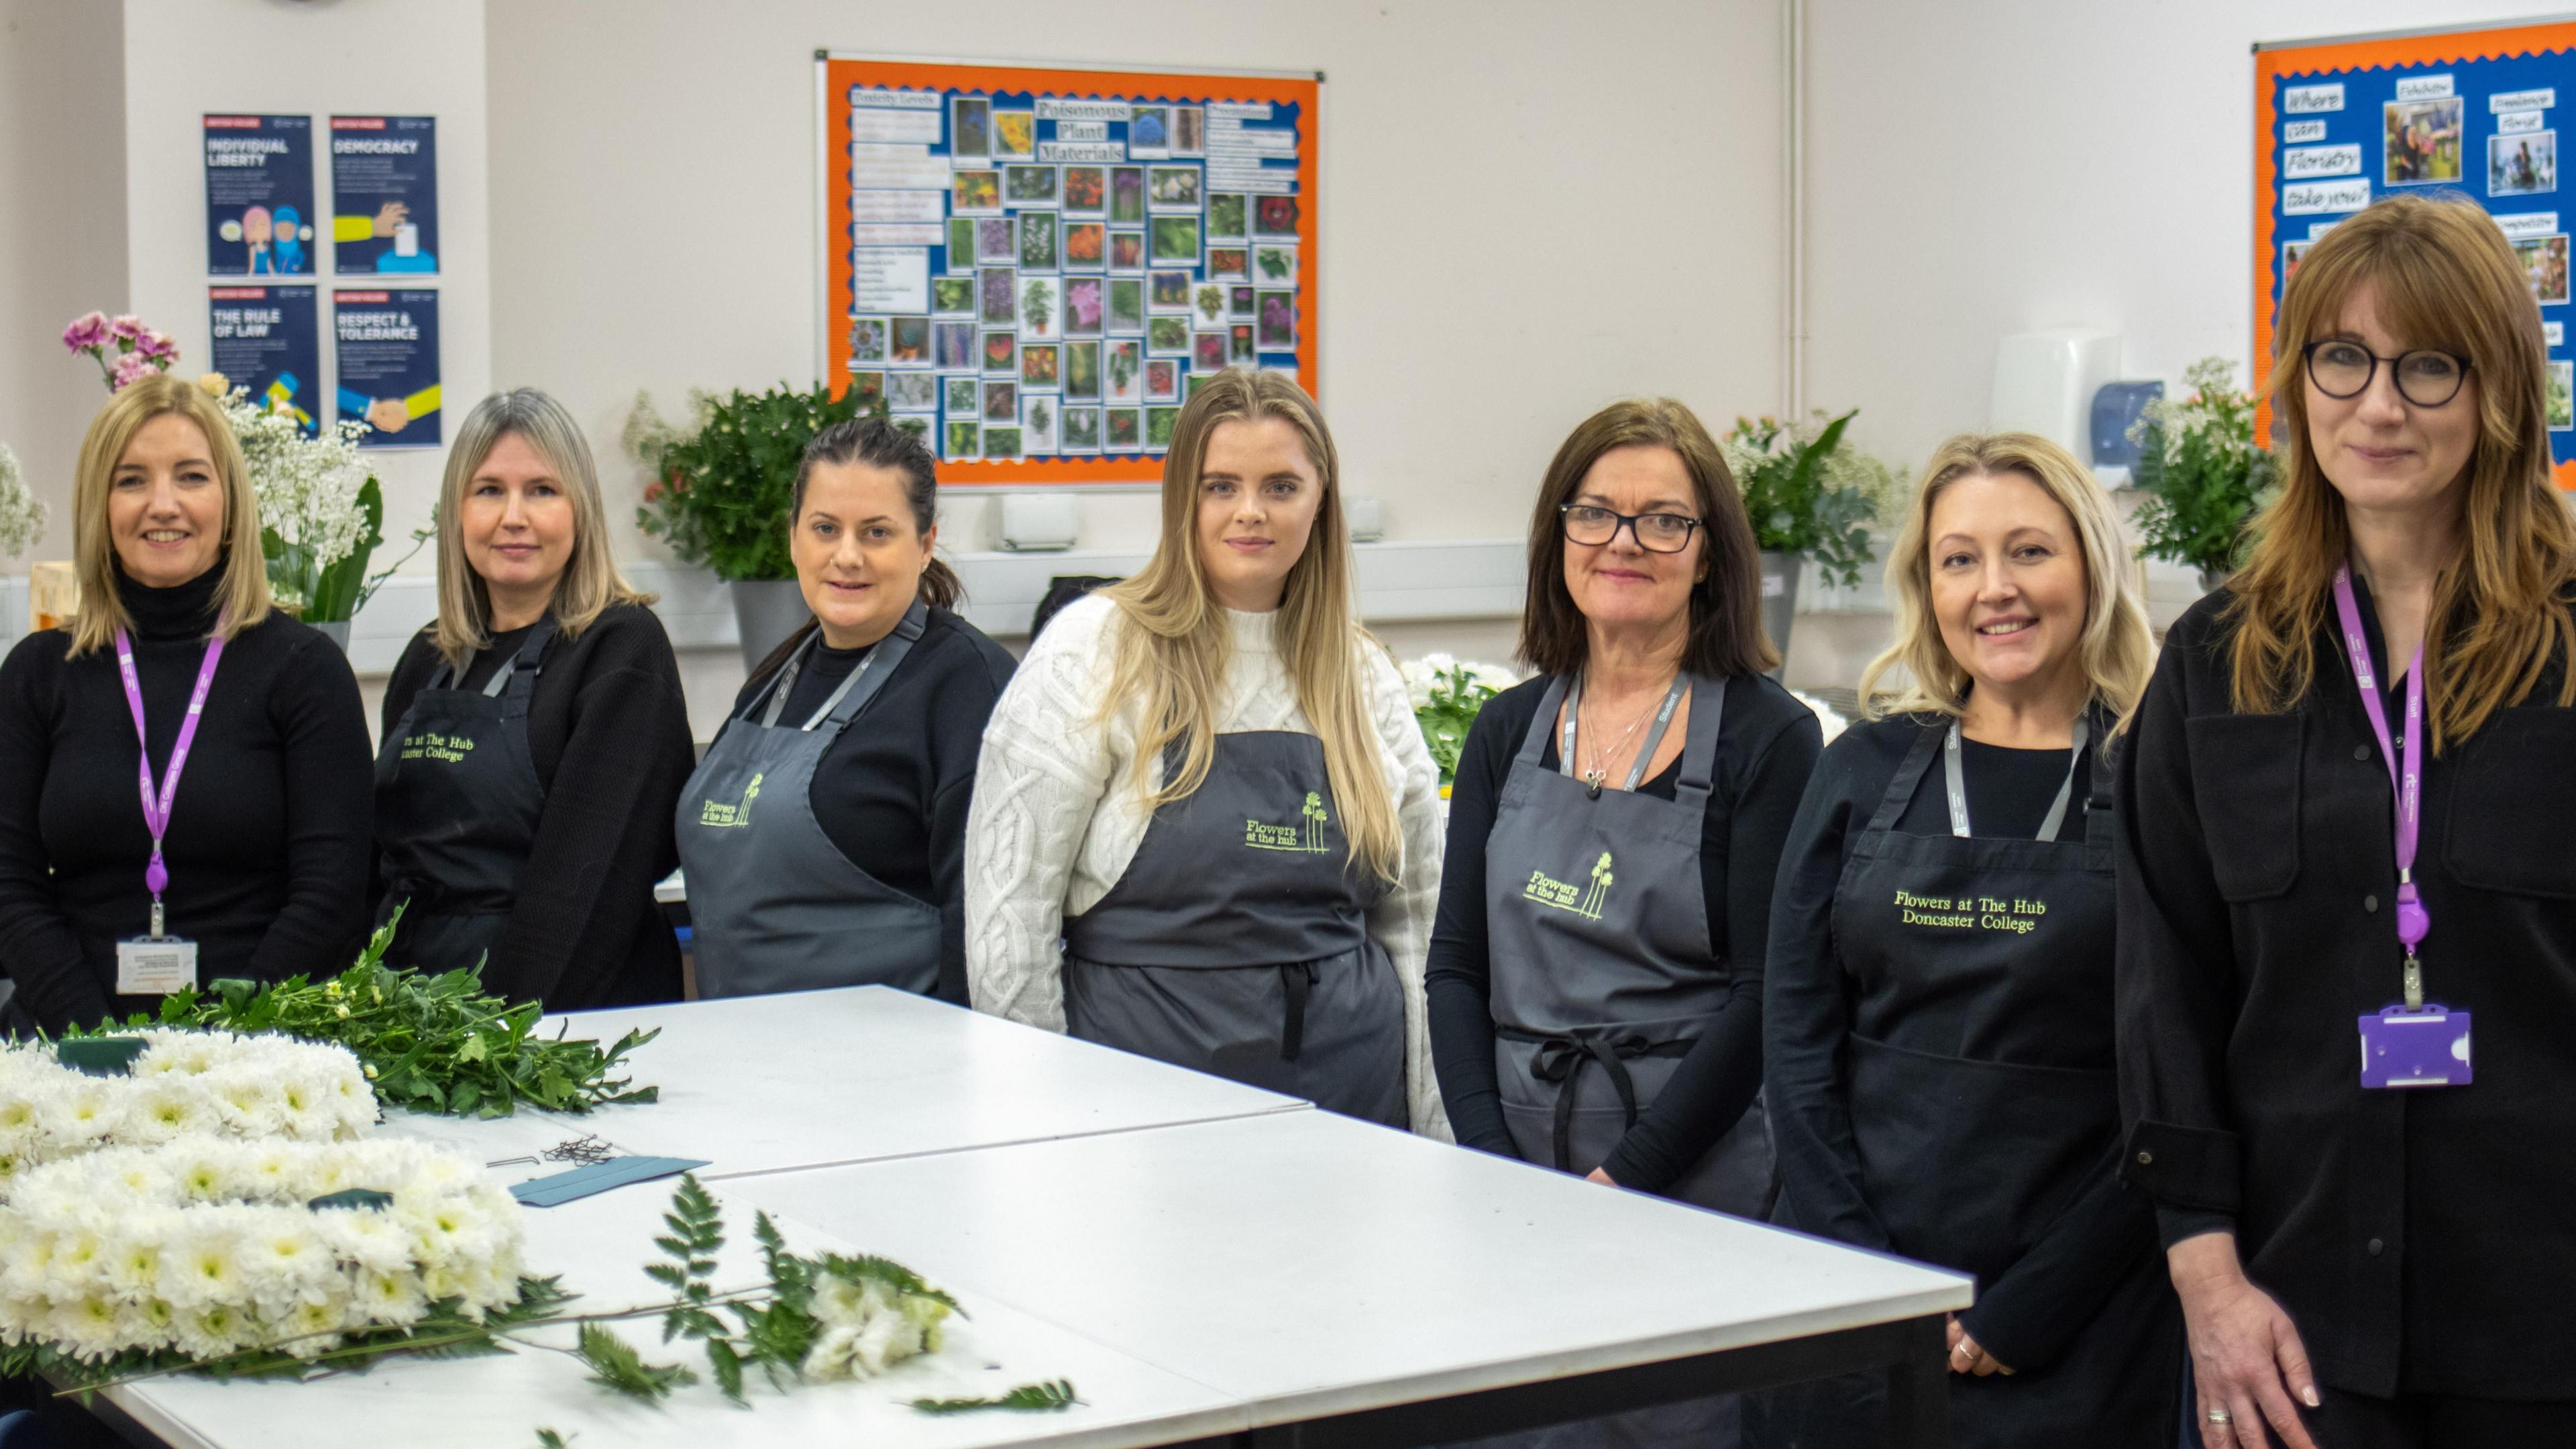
259,196
384,195
267,339
388,344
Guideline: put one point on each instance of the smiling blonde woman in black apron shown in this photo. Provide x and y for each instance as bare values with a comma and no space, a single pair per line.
1206,827
534,736
1596,971
1938,1014
822,836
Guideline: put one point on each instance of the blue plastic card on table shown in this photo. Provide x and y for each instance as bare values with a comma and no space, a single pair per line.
2427,1048
596,1177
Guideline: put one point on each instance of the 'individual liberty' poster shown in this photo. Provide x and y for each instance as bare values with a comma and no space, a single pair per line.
384,195
266,339
389,365
259,196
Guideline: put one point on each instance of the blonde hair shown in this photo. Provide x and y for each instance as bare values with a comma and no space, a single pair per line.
2446,278
2116,648
1174,650
242,598
590,582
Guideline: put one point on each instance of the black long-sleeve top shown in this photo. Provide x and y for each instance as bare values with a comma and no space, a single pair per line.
1813,1006
608,733
1766,744
2423,1240
892,791
268,840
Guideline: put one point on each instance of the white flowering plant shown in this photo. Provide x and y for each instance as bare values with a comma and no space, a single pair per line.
22,513
1447,696
321,511
177,1085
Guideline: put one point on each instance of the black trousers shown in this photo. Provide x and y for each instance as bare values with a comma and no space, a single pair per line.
2435,1421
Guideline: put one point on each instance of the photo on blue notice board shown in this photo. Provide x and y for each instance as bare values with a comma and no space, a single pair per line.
259,196
267,341
384,195
388,365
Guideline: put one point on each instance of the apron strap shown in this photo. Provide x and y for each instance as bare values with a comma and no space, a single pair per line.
1561,1060
519,675
1534,744
1699,752
2098,835
1299,980
1955,779
783,681
844,703
1645,750
1900,789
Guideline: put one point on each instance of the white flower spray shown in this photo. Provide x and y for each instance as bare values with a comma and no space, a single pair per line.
22,513
307,486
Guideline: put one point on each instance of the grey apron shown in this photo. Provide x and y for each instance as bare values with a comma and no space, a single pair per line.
457,806
1602,978
773,904
1237,941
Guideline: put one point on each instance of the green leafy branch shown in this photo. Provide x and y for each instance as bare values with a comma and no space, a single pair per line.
1047,1397
2204,474
1808,494
721,483
1456,698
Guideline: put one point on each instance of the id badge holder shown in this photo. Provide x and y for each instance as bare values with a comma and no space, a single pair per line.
157,964
2428,1047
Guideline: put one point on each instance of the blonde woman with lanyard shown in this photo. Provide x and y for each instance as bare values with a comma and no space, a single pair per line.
1208,784
2346,815
1938,1013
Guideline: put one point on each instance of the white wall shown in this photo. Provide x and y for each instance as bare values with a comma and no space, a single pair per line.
1529,209
184,58
62,231
1988,168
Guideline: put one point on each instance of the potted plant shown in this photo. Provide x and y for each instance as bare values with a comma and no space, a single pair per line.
1808,496
720,487
2203,474
1447,696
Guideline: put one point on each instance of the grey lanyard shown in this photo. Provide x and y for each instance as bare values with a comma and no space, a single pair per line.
787,682
1645,752
1957,780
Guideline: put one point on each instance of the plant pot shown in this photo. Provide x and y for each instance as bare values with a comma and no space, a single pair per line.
766,611
2211,580
1780,601
335,630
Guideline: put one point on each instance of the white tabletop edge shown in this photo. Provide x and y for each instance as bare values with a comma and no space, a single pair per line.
1281,1110
174,1431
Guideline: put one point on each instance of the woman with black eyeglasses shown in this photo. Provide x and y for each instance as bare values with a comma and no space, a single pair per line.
1595,976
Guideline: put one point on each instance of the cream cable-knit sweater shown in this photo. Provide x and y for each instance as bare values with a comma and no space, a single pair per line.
1057,817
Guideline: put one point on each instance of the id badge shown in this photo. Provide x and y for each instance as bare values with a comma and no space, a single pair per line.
2427,1048
155,965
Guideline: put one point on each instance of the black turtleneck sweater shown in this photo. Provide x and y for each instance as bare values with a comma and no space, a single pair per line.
269,832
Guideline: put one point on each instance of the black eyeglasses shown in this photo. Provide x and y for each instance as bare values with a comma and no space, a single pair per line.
1654,532
2425,377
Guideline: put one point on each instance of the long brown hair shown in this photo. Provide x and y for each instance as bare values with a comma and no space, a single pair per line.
2446,278
1726,639
878,444
243,593
1173,651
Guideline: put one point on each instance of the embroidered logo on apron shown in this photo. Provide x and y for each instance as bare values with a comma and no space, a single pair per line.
1561,895
1305,838
429,745
719,815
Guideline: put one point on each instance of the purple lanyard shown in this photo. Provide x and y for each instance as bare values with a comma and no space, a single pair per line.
2405,775
156,808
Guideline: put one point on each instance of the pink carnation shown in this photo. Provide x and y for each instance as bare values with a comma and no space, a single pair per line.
133,369
127,328
158,347
86,331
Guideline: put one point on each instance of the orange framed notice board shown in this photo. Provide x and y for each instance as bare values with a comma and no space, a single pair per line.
2340,123
1033,265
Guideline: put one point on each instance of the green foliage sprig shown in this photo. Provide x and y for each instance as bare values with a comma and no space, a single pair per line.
2206,479
1042,1398
437,1044
1807,493
721,482
1446,710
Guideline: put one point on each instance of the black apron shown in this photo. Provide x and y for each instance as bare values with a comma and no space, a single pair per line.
1968,1161
457,805
773,904
1237,942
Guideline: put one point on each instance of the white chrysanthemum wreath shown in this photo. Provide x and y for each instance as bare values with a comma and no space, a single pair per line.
211,1248
183,1084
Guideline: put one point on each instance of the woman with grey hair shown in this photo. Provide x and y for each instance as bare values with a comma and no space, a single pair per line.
535,737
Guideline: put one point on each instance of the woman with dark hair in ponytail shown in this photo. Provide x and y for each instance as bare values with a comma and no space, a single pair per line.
820,855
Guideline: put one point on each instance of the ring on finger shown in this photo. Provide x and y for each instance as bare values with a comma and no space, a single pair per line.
2221,1416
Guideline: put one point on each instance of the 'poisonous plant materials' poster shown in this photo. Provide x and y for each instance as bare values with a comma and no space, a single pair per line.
1035,266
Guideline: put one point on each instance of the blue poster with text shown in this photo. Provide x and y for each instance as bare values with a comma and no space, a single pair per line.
259,196
388,365
384,195
267,339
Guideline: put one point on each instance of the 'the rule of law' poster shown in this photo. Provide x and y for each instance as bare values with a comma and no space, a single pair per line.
259,196
388,343
266,339
384,195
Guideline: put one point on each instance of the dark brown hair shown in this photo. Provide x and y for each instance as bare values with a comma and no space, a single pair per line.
1726,638
878,444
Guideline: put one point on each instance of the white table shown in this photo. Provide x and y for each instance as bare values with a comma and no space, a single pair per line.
1371,1287
599,1245
759,1084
